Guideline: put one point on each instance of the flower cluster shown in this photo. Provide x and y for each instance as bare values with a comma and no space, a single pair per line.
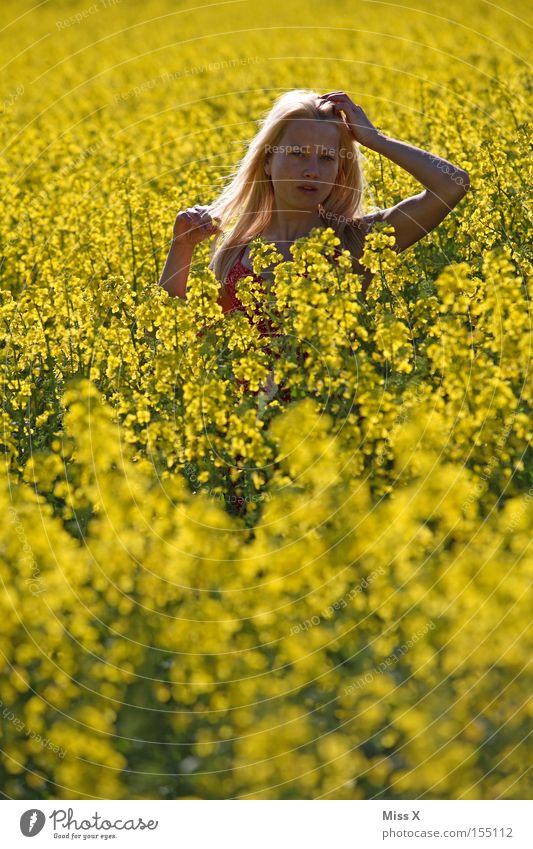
210,593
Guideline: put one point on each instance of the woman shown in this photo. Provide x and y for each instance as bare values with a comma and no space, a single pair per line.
303,170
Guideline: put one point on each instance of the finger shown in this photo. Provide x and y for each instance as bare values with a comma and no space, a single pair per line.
337,99
333,94
336,103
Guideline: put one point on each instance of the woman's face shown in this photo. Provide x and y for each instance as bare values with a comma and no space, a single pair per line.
307,155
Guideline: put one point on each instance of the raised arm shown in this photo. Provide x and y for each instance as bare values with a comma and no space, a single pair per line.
190,228
176,271
445,184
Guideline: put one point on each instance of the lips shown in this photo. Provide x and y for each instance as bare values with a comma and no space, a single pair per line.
307,188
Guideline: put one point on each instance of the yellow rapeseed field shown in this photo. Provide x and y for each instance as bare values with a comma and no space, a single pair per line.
208,596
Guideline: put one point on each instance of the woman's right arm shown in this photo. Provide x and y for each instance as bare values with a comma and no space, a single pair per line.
191,227
176,271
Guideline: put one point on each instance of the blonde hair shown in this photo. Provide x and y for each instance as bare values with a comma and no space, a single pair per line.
246,204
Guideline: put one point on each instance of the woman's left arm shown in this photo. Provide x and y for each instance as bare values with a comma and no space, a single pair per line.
445,183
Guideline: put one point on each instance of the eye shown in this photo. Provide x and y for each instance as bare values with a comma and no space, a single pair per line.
296,152
331,158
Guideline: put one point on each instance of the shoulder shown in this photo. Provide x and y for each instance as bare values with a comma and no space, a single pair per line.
358,228
364,223
354,240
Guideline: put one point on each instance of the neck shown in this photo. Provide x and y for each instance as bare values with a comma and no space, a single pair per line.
288,226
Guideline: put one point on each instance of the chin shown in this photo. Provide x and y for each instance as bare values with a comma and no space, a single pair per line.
309,200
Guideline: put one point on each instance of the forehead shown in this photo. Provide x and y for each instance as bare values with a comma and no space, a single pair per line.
311,131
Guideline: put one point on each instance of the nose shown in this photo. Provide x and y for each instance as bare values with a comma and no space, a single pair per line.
311,169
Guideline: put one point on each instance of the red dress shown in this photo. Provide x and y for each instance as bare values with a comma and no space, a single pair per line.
229,302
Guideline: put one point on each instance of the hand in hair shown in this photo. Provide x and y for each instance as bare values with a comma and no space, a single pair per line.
193,225
359,126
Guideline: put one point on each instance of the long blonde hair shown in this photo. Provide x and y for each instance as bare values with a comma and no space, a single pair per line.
246,204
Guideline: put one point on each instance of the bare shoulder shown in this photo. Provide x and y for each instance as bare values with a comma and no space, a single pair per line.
355,233
358,228
365,223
